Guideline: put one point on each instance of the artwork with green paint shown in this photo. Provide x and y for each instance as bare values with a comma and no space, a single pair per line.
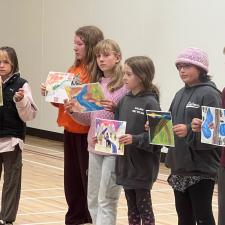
160,128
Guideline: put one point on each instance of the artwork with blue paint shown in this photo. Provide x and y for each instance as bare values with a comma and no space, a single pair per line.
213,126
86,97
108,133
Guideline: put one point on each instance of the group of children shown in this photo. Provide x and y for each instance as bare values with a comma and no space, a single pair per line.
93,180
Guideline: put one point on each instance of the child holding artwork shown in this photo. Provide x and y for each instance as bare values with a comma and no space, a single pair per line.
103,193
18,108
193,164
75,135
196,127
137,170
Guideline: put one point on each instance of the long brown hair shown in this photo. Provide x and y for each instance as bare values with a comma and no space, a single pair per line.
10,54
109,46
143,67
90,35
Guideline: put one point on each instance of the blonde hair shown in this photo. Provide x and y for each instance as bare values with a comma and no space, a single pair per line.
109,46
90,35
143,67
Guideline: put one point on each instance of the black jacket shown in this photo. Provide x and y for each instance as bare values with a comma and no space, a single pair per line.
190,156
10,123
138,167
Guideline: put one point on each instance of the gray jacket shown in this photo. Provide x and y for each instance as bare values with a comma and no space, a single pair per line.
190,156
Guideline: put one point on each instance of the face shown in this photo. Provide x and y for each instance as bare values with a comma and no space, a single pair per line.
79,48
131,81
5,67
107,61
189,74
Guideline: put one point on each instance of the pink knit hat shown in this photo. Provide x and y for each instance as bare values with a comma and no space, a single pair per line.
194,56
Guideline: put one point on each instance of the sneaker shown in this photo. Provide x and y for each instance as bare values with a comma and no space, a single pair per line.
2,222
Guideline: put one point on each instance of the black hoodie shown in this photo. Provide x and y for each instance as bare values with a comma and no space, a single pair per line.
190,156
138,167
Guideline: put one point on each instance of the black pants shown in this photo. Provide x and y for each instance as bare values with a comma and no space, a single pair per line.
75,178
195,204
139,207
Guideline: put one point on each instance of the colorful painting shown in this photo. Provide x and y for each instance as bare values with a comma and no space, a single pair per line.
213,126
108,133
160,128
1,94
86,97
55,86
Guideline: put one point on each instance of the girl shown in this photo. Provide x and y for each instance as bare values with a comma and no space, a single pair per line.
196,127
75,135
137,170
18,107
193,164
103,193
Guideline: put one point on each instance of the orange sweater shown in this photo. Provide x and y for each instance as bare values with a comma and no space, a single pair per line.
63,118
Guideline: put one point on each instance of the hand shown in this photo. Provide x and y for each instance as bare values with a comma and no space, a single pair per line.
108,105
68,106
147,126
43,89
19,95
196,125
126,139
94,140
180,130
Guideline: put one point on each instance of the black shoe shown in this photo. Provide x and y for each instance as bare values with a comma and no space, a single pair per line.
2,222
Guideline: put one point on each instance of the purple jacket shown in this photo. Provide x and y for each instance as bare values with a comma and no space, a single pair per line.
222,161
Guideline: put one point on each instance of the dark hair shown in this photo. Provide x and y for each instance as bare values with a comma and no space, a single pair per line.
11,53
203,76
144,68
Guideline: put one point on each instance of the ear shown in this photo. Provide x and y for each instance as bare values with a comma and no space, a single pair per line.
118,58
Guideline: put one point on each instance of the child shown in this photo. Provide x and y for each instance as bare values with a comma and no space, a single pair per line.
196,127
193,164
75,135
18,107
103,193
137,170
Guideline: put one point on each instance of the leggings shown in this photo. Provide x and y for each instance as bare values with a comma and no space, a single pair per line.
195,204
139,207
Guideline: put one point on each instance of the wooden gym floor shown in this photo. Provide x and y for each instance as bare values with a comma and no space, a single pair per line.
42,198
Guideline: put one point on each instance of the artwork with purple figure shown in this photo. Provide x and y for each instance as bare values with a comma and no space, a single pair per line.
86,97
108,133
213,126
55,86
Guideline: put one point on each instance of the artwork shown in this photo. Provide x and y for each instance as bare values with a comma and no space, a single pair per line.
108,133
86,97
160,128
213,126
1,94
55,86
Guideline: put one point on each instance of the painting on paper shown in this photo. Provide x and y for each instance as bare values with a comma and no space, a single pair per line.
108,133
213,126
55,86
160,128
86,97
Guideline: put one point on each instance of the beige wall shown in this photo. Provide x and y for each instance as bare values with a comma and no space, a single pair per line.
42,33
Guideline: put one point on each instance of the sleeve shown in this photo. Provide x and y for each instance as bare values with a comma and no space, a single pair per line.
141,141
193,139
82,118
26,108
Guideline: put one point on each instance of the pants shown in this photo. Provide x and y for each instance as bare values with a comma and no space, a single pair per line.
139,207
221,196
103,192
12,163
75,178
195,204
